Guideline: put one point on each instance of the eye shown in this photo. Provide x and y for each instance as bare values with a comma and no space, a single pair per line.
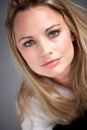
53,34
29,43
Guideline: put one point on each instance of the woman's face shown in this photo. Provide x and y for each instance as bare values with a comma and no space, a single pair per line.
44,40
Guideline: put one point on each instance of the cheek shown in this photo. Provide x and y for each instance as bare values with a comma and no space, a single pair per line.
65,47
30,59
65,43
68,50
27,57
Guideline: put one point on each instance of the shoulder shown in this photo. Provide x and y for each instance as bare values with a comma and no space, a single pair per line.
38,118
66,92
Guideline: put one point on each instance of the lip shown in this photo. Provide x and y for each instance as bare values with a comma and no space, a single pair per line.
51,62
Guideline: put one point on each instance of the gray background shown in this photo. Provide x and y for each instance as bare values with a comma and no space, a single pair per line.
10,75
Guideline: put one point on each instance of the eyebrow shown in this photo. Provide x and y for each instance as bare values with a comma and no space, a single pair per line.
52,27
27,37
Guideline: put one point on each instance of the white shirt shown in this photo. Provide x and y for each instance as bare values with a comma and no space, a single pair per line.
40,121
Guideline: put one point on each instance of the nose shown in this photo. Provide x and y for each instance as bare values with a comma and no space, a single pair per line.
45,48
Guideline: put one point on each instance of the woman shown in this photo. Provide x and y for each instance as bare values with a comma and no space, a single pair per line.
48,38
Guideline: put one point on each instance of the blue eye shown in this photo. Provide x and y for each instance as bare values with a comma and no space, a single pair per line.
29,43
53,34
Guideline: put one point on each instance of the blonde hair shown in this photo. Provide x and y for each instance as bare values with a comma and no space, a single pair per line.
36,85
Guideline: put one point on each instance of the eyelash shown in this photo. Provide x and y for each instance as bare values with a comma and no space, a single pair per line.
54,33
51,34
28,44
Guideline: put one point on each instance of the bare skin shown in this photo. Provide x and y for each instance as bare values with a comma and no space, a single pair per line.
45,42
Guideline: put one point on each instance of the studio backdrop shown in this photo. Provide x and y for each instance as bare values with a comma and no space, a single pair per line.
10,75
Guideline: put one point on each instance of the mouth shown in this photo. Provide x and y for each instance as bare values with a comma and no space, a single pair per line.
51,63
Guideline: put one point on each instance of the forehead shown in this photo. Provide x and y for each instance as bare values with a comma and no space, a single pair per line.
36,19
38,12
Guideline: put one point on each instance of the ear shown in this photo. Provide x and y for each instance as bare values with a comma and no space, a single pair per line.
73,37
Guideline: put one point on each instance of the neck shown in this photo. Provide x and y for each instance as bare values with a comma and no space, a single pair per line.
64,79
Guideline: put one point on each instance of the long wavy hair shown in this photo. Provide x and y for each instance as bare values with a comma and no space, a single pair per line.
37,86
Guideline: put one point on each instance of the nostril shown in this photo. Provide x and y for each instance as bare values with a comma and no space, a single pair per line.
45,47
45,53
